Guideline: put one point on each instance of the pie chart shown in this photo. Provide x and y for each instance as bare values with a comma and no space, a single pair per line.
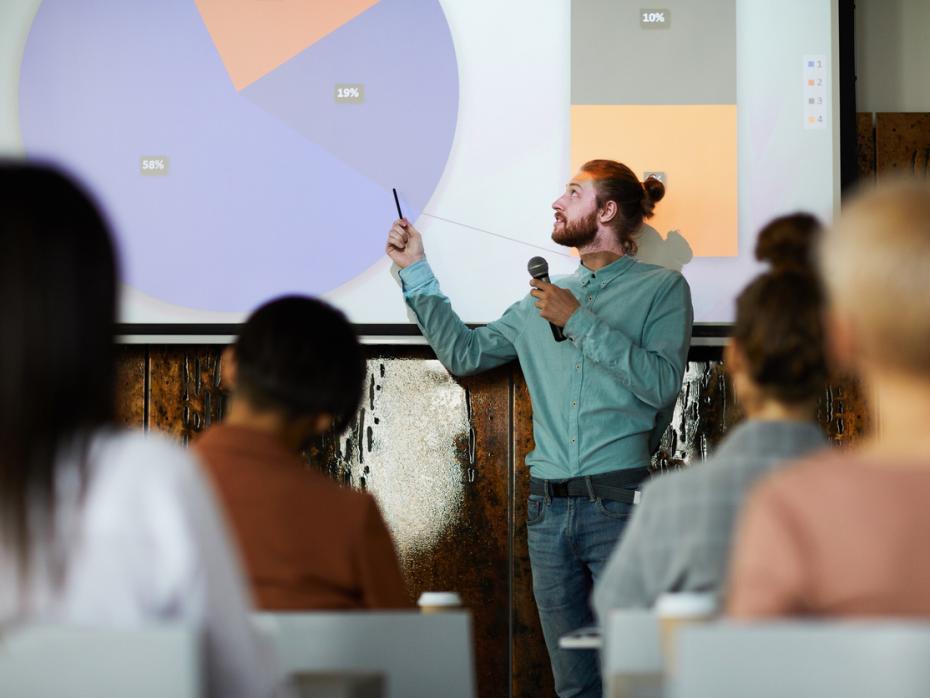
243,149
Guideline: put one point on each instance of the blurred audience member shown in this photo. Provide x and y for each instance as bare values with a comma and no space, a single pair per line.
679,536
99,526
296,372
845,534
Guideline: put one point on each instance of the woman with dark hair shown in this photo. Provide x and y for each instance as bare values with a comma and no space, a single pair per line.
98,526
679,536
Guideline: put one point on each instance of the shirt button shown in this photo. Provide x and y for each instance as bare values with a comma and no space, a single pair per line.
573,439
578,366
590,298
574,403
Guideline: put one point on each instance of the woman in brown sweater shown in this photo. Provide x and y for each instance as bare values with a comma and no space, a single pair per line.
295,372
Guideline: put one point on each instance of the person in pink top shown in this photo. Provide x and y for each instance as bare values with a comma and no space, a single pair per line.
846,534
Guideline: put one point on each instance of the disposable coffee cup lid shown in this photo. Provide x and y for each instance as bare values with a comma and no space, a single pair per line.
439,598
686,605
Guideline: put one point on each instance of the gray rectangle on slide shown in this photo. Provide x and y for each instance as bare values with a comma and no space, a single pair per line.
616,61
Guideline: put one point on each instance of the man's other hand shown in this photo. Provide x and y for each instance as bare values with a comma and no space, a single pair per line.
404,244
555,304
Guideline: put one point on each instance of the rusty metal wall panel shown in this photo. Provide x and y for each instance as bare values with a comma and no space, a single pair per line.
865,146
531,673
843,411
184,390
704,411
902,144
707,408
130,385
472,554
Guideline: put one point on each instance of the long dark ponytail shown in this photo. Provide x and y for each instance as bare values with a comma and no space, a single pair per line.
57,304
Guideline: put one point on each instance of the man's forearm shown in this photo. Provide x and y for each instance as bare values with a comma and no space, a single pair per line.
461,350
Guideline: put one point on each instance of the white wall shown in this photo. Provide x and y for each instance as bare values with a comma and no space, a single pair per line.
893,55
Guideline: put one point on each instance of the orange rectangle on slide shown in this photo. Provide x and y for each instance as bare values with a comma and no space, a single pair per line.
694,145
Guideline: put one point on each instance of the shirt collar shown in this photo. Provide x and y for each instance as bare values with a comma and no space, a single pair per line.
604,275
776,438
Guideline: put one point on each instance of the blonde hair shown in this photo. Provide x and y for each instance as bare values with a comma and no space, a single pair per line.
876,266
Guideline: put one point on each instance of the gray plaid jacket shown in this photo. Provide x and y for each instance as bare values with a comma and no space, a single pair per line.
678,538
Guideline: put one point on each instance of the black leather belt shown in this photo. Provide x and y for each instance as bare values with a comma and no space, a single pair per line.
618,486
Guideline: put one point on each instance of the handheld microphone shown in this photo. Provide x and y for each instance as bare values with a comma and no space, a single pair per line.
539,269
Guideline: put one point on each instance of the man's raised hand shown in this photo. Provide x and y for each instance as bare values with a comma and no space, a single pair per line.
404,244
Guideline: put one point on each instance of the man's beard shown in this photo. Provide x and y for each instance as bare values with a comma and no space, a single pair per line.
577,233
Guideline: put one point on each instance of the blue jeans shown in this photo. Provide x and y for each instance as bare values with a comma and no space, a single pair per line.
570,540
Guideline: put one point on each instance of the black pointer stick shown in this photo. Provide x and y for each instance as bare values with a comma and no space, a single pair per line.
397,203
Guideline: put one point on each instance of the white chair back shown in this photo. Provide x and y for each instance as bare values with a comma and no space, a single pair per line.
53,661
804,660
420,655
632,646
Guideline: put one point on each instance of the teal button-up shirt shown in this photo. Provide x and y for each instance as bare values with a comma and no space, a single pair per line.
602,399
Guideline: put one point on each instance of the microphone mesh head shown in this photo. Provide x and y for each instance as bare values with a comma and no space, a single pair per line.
538,267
